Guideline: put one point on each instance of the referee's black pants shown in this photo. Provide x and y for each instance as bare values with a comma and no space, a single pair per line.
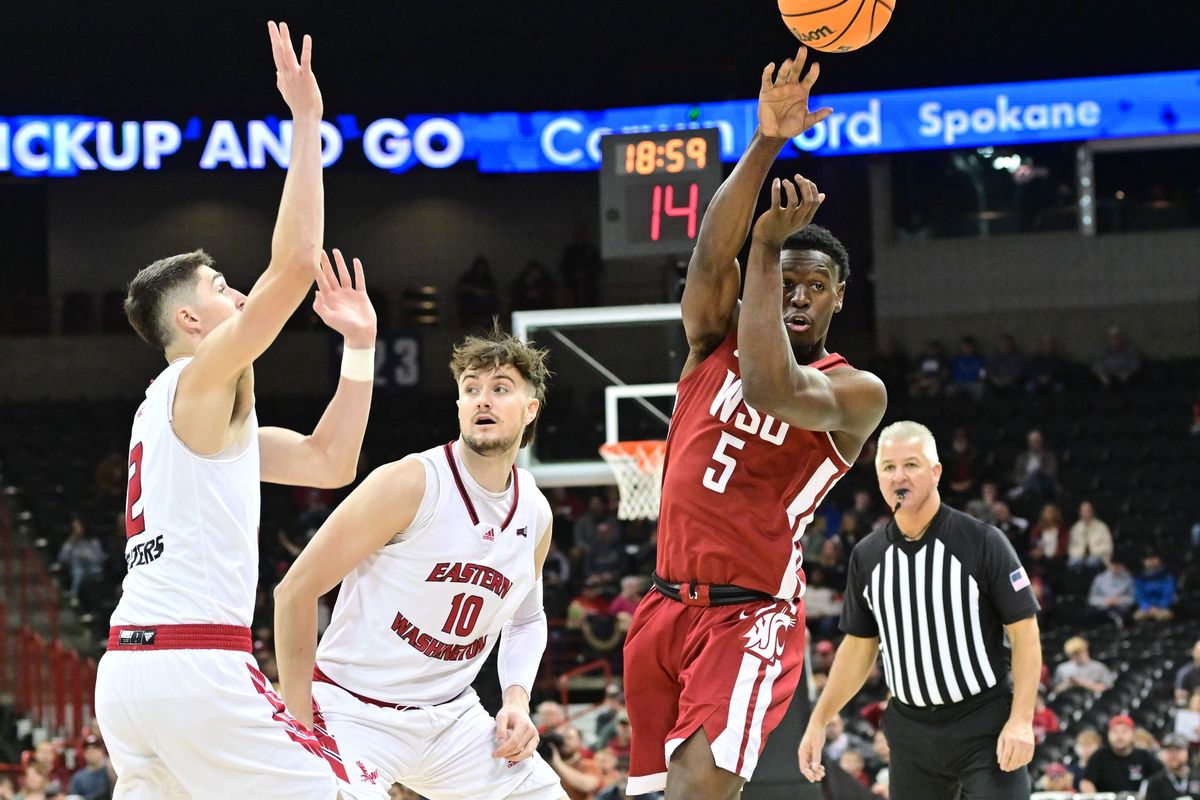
935,752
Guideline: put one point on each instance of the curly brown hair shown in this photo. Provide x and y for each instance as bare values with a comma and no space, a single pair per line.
498,348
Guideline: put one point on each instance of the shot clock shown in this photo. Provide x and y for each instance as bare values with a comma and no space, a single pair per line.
654,188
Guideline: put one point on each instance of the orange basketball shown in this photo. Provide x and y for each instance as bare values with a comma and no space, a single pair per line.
836,26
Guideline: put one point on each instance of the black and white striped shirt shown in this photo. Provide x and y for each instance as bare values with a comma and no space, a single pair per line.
938,606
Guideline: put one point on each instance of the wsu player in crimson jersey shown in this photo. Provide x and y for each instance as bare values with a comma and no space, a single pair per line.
766,421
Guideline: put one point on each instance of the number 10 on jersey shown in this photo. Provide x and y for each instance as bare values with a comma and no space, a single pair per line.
464,613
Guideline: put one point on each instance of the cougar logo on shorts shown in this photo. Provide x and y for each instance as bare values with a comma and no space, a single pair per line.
368,777
763,639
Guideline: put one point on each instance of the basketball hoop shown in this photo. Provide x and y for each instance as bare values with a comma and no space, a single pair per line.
638,467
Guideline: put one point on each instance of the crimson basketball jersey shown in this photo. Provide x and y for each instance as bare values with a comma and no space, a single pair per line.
739,487
191,521
415,620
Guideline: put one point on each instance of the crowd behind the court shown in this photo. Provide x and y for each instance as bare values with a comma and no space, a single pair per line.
598,568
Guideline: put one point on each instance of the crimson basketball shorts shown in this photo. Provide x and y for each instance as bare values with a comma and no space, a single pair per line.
730,670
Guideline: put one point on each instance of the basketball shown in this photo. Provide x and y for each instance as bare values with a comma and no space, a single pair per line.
836,26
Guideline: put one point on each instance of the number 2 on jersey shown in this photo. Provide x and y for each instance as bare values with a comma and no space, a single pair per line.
464,613
135,521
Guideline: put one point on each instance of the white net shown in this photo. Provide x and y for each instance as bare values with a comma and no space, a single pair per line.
638,469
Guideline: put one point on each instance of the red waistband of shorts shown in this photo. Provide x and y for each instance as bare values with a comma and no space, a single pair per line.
321,677
180,637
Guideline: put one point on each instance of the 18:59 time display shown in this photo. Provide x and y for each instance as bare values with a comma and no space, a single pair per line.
673,156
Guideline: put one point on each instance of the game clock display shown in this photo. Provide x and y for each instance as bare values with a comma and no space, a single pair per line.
654,188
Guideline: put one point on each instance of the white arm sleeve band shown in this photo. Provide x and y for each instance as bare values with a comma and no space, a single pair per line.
522,643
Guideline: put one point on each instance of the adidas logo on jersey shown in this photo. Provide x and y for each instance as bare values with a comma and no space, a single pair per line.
137,637
489,535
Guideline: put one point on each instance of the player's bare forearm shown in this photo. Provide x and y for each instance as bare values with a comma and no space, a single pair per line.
328,457
1026,667
727,220
300,225
764,352
296,650
851,665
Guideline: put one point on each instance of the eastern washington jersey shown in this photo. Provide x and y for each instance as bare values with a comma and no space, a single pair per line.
191,522
415,621
739,487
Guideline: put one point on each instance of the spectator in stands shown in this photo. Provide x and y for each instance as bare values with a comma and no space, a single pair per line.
1047,370
981,507
1118,766
852,763
966,371
930,373
633,589
1087,742
95,780
556,580
822,605
1111,594
1044,719
890,365
838,740
1187,679
959,468
605,555
534,288
883,755
581,268
478,300
48,759
584,532
1005,367
1015,529
1154,590
82,556
1091,540
549,716
111,476
580,776
1119,362
1035,473
606,717
35,783
863,511
619,743
1187,719
1175,780
1050,535
1055,778
1081,670
832,561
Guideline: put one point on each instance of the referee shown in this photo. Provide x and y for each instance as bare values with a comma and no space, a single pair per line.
939,596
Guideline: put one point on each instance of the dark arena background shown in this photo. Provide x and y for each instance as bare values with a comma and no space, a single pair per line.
1018,185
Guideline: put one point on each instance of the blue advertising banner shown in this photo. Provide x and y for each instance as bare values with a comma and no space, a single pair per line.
553,141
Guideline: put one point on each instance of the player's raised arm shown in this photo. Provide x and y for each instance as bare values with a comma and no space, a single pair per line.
713,279
295,245
773,383
328,457
382,506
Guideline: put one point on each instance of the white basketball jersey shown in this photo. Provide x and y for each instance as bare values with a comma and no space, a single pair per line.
191,522
415,621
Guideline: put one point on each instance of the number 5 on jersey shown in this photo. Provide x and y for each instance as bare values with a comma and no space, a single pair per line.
718,482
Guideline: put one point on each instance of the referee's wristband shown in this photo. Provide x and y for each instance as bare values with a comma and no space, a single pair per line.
358,364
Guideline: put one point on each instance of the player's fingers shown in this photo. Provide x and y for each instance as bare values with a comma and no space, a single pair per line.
790,189
785,72
814,72
276,44
360,283
343,270
775,193
766,76
325,277
289,50
306,53
801,57
817,116
806,193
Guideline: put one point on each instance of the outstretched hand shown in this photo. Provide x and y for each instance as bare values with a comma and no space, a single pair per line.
343,305
779,222
783,100
294,76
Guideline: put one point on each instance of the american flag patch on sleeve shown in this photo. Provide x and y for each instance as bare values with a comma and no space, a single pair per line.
1019,579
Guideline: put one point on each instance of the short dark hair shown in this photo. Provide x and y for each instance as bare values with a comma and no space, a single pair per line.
816,237
153,286
498,348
